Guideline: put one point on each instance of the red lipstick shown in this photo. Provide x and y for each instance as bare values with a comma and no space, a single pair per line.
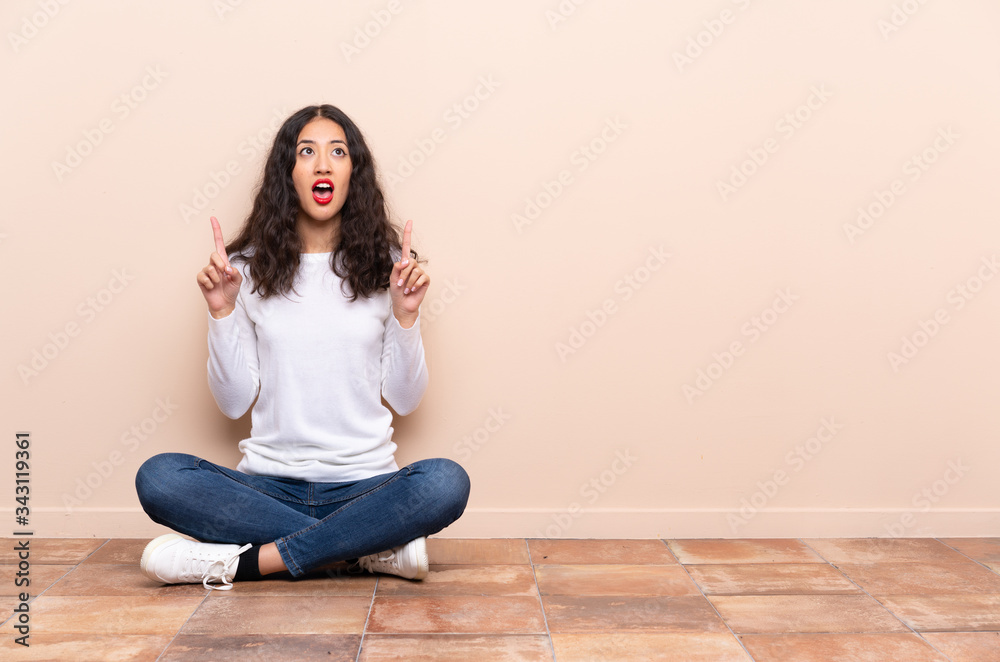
322,191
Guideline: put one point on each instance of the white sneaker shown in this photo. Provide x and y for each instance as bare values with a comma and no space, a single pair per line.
409,560
174,560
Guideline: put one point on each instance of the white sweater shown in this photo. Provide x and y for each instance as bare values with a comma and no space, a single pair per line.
321,364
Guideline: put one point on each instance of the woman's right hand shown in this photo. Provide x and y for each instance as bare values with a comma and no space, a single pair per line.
219,281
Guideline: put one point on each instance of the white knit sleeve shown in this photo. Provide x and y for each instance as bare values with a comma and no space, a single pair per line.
233,366
404,371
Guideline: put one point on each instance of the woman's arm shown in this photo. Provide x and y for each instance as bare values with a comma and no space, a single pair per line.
404,371
233,367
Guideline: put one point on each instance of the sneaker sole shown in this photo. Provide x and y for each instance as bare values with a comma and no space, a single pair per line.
150,548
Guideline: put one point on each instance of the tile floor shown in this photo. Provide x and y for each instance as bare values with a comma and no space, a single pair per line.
869,599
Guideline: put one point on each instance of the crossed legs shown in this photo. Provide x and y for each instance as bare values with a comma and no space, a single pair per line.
301,526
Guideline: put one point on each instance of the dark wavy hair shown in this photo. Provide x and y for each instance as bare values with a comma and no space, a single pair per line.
269,241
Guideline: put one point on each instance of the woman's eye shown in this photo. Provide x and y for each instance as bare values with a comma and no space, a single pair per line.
340,151
305,149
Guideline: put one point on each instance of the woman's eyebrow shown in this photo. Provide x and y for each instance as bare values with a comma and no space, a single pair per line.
307,140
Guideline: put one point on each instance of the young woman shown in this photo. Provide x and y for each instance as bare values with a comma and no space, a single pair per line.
314,311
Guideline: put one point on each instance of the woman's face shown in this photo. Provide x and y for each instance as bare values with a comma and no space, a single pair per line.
322,169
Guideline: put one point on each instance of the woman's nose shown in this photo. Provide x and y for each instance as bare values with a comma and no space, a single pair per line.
323,164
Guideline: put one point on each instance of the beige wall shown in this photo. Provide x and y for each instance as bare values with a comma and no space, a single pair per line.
645,354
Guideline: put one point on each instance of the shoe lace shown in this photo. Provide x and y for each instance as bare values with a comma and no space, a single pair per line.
219,570
371,563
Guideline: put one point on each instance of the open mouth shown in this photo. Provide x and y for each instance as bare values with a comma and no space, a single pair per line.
323,191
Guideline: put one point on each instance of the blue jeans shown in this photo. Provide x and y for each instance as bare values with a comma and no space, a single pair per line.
313,524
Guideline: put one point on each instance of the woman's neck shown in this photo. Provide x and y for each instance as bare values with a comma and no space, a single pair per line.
318,237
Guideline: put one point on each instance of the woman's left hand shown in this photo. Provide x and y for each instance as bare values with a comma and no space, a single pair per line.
407,284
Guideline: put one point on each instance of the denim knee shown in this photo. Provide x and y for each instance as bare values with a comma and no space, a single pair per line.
450,481
153,471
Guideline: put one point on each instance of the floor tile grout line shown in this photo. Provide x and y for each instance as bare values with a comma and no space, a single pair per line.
99,548
710,603
186,621
541,605
977,561
61,577
364,630
905,624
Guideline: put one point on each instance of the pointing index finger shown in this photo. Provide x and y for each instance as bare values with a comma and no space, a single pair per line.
220,245
406,240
